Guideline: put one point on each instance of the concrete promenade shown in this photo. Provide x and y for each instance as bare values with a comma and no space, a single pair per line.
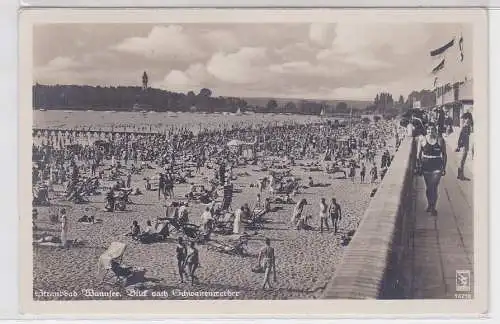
402,252
443,245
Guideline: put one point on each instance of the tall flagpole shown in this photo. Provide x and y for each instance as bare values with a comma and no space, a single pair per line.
350,121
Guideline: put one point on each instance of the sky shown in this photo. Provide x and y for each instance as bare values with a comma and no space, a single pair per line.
311,61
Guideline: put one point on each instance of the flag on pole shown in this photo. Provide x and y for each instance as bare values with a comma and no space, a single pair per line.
439,67
443,48
461,46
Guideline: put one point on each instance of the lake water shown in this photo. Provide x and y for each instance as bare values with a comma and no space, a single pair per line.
120,121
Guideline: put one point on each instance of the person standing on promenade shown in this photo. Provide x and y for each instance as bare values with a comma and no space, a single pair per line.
464,142
440,120
323,216
431,156
268,261
335,214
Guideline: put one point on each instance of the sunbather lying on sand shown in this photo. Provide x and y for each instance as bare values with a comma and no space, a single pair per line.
87,219
48,239
281,200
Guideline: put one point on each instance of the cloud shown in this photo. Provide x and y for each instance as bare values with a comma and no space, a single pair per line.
221,40
248,65
301,69
56,68
163,43
68,70
375,46
296,52
61,63
354,60
192,79
177,81
322,34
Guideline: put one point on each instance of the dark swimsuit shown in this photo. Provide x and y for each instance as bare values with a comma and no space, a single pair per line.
431,157
180,251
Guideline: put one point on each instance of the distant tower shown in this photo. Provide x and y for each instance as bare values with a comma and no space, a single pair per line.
144,81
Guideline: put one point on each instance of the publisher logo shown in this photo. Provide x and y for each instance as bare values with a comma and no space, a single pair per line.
462,280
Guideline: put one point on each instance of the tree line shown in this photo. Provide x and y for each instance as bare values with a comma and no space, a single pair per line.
129,98
384,103
121,98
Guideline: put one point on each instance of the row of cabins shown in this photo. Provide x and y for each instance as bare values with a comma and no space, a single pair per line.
456,100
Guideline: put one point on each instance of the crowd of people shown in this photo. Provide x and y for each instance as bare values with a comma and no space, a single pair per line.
81,163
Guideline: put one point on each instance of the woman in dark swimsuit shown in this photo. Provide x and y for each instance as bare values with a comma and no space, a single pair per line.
431,155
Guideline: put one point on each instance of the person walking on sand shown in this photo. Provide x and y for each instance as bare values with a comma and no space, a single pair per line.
335,214
192,261
206,219
352,172
374,173
323,216
363,172
129,179
161,186
169,185
268,261
237,223
64,228
297,213
181,254
258,203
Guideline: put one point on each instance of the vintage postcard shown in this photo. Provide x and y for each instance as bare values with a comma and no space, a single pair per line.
253,162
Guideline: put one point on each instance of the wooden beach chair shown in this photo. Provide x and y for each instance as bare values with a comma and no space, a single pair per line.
109,264
223,222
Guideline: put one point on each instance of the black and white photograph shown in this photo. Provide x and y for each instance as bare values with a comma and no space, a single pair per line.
273,160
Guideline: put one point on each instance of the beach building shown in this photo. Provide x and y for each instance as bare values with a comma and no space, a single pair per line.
457,99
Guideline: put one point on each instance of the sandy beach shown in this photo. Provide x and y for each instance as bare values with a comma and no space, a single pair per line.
306,260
